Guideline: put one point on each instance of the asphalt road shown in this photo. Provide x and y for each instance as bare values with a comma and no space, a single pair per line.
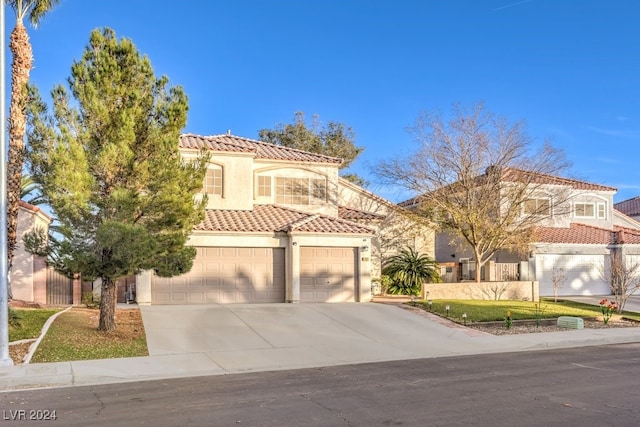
590,386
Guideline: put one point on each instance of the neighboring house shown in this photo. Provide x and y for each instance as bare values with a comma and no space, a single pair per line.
630,207
280,226
572,245
28,273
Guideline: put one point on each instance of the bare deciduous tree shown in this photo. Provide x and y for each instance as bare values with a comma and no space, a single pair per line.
557,279
481,179
623,277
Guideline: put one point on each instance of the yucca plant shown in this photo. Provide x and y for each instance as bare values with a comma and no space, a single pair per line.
408,269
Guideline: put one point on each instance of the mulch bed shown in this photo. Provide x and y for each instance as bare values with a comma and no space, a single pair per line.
528,327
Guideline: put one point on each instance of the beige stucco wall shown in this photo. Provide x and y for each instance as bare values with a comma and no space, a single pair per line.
24,275
397,229
483,291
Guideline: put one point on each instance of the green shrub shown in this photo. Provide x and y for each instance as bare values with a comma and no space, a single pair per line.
407,270
14,318
89,300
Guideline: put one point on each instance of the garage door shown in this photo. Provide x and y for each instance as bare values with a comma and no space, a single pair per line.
328,274
226,275
582,274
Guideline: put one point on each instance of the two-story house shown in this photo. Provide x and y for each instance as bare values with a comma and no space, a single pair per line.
579,231
280,226
630,207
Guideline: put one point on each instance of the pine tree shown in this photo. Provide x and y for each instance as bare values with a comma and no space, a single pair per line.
108,164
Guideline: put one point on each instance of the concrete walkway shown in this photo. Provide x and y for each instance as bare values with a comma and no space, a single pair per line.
295,336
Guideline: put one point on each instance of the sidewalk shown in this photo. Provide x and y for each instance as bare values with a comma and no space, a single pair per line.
439,338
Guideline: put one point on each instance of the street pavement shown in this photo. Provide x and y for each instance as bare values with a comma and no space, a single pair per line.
188,341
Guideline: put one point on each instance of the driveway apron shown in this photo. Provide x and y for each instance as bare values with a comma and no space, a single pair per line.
291,335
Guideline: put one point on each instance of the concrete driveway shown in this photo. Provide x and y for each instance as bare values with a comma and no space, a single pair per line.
243,336
632,304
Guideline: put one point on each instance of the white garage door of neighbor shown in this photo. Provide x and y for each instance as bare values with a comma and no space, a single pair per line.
328,274
226,275
582,274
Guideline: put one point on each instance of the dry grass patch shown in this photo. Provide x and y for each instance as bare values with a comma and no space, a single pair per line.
74,336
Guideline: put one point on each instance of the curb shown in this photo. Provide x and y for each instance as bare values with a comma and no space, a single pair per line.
43,332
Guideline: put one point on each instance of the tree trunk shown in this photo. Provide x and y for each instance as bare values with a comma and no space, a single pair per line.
20,69
478,269
108,301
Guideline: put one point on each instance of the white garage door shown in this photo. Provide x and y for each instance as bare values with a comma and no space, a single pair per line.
582,274
328,274
226,275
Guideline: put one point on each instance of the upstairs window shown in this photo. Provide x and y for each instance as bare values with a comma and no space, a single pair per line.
300,191
584,210
602,211
213,181
537,207
264,186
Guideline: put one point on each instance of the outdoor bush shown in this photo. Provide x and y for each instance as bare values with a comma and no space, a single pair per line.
14,318
89,300
407,270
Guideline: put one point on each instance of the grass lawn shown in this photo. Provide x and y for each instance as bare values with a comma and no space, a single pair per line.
491,311
31,322
74,336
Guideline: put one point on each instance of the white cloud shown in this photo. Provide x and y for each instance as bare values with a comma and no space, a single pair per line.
621,133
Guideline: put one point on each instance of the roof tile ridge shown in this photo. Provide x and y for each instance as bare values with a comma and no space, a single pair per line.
360,211
320,215
268,144
556,177
283,147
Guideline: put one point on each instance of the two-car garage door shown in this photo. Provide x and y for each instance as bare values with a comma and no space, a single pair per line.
257,275
226,275
573,274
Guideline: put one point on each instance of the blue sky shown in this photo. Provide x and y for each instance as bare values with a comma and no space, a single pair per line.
570,68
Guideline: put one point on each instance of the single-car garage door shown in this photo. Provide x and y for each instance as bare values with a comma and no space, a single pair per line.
328,274
226,275
576,274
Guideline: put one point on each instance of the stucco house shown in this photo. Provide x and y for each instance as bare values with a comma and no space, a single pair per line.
572,247
28,273
630,207
281,226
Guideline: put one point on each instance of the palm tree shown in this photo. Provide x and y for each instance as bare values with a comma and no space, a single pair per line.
408,269
30,191
20,48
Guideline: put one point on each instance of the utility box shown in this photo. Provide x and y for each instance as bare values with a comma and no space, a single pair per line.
570,322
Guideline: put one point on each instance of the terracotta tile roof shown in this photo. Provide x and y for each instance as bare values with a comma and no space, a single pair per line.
629,207
34,209
628,236
262,150
588,235
271,218
576,233
355,214
514,175
540,178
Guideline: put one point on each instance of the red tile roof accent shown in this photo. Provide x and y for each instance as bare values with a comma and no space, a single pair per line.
262,150
540,178
271,218
588,235
576,233
512,174
355,214
32,208
629,207
627,236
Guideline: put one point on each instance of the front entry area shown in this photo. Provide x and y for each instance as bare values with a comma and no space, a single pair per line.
226,275
328,274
